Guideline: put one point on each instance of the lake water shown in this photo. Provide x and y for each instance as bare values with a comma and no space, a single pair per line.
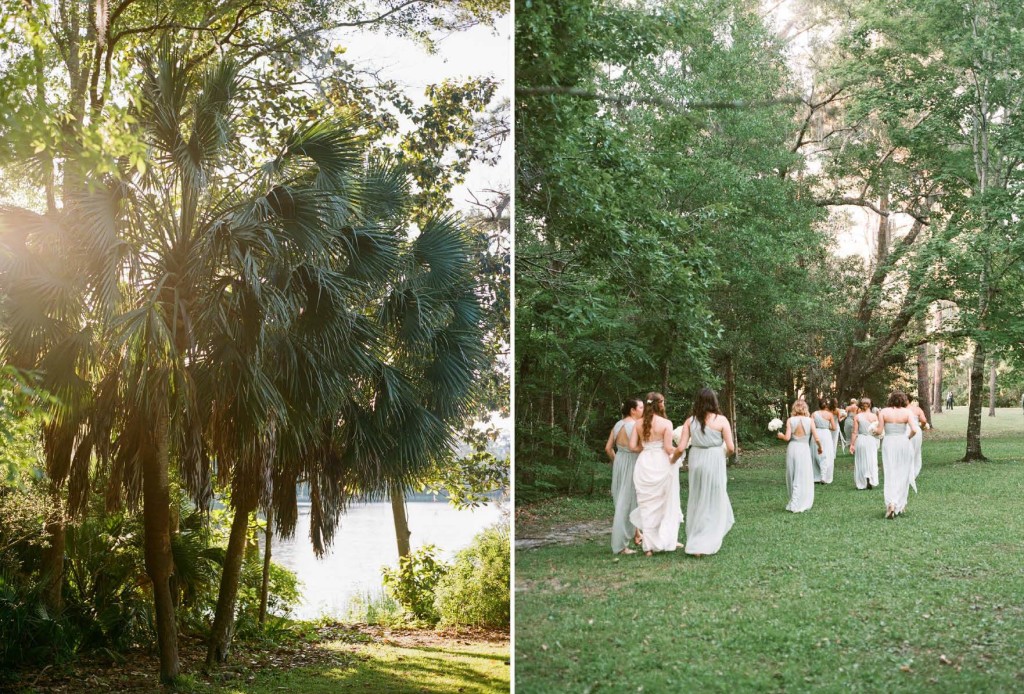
364,543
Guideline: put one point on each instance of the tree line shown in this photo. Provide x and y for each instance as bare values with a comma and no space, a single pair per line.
680,181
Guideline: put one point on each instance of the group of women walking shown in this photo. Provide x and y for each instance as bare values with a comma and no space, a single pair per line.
645,477
646,465
898,427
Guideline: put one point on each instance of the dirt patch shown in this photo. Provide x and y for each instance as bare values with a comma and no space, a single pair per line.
568,534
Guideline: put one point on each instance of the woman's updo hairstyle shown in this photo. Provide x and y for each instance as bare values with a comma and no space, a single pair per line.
628,404
898,399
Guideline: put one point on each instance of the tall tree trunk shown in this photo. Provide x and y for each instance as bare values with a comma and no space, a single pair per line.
729,402
402,532
265,586
974,405
937,403
923,386
223,628
53,554
156,503
664,377
992,391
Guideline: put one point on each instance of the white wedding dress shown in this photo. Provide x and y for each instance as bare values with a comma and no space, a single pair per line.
658,513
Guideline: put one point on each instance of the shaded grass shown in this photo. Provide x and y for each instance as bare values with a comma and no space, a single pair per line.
390,667
833,599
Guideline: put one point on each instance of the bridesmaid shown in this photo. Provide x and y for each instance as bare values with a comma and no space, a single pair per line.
658,514
839,414
799,475
899,426
864,447
825,423
852,410
708,511
917,441
623,462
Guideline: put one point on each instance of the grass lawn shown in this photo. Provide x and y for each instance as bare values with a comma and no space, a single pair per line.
834,599
330,659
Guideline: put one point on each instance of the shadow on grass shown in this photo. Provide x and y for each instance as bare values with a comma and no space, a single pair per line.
400,670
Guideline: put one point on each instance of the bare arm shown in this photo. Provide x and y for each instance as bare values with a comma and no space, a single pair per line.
788,433
853,436
666,441
608,446
730,447
684,441
880,427
814,433
833,423
915,428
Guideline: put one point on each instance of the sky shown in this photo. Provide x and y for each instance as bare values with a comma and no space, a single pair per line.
480,51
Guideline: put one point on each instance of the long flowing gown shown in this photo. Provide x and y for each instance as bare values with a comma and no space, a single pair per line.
835,441
848,426
658,513
708,511
799,473
897,464
827,459
916,445
623,491
865,455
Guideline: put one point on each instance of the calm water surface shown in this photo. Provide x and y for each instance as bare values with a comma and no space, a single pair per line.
364,543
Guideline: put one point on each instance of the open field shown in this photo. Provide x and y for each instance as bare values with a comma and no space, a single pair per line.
829,600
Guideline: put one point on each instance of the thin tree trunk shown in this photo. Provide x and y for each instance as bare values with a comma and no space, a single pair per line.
937,403
265,587
729,402
923,386
664,377
156,500
974,405
992,392
223,628
402,532
53,554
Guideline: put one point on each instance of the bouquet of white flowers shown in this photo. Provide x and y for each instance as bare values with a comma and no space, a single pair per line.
677,434
872,428
775,425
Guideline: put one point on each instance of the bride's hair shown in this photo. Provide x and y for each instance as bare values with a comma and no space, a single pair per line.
655,405
705,404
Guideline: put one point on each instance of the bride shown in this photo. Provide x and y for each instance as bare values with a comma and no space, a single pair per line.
658,514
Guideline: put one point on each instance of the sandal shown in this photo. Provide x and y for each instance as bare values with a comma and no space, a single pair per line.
627,550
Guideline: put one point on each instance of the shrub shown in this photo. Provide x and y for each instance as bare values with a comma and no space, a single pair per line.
412,584
377,608
475,591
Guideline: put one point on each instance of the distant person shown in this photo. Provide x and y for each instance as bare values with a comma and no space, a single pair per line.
864,447
851,413
623,462
708,511
899,426
799,473
658,514
949,400
837,433
825,423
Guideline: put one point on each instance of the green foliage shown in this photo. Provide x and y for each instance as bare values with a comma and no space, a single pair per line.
375,608
475,590
284,594
655,245
414,581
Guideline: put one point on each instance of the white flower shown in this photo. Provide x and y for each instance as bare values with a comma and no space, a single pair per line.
872,428
775,424
677,434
